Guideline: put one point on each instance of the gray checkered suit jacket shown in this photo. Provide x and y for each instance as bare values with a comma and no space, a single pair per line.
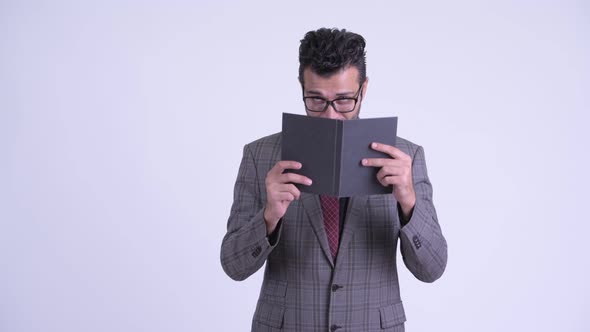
303,288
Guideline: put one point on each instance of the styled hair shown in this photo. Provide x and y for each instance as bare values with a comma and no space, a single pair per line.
327,51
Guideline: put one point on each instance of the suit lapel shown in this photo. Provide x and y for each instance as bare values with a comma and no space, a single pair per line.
311,204
354,217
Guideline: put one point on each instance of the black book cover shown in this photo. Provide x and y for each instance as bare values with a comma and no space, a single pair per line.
331,151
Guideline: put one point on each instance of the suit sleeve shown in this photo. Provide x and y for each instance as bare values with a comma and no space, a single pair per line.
246,246
423,247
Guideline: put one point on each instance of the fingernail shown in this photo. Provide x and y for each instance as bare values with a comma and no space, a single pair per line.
374,145
309,182
365,161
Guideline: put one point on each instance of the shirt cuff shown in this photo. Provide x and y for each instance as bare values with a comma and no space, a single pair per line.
274,236
403,221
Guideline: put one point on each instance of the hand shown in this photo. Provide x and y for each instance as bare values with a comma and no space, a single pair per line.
281,191
397,172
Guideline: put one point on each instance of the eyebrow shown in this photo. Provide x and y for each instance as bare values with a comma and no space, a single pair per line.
341,94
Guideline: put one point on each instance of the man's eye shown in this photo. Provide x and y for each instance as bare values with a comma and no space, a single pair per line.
344,101
318,100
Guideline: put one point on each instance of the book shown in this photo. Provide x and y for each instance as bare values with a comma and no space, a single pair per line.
331,152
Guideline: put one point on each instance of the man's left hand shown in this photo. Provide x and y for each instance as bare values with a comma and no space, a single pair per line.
397,172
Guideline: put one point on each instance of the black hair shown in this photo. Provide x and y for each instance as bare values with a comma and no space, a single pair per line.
327,51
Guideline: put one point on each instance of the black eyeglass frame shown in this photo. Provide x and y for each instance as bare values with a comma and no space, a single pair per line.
331,102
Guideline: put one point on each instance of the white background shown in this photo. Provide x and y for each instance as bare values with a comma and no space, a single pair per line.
122,125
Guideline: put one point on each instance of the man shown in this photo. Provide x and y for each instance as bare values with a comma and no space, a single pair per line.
331,263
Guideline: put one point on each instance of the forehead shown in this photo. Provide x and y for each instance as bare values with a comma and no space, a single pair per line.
345,78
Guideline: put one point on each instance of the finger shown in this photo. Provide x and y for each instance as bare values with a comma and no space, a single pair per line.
291,189
390,180
382,180
379,162
285,196
390,150
282,165
283,187
389,171
294,178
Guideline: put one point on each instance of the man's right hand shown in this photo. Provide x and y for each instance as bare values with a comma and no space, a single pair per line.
281,191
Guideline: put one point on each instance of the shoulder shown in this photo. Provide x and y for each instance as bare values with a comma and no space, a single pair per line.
266,140
265,151
266,143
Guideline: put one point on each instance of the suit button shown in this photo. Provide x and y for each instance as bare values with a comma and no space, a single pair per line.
256,252
334,327
417,242
336,287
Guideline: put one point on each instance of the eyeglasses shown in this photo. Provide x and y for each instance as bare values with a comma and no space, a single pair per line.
340,104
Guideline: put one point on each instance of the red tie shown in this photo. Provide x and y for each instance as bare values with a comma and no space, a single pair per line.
331,212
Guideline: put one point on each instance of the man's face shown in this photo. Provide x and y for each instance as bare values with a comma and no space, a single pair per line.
341,84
